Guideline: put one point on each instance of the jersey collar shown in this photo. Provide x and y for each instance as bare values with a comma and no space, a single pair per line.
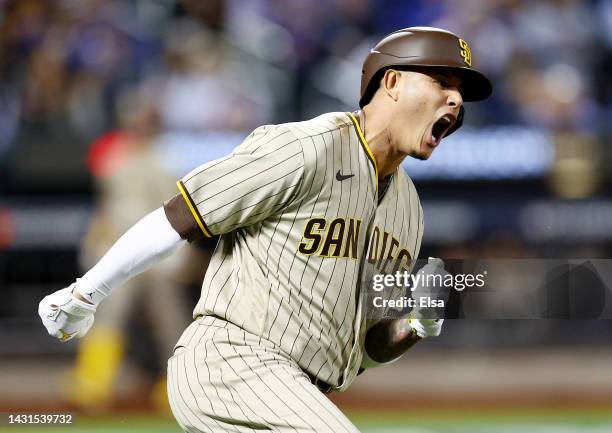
365,146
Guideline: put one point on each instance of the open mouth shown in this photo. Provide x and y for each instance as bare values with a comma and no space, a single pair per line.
441,127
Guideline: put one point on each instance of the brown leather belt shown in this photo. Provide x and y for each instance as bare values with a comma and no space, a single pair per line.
324,387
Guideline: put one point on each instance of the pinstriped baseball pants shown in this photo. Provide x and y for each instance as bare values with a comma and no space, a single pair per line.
224,379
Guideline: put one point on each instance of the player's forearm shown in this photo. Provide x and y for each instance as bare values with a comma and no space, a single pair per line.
148,242
389,339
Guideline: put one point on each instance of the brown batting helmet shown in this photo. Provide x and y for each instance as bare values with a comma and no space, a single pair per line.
417,48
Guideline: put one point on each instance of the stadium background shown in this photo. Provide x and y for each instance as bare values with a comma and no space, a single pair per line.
85,83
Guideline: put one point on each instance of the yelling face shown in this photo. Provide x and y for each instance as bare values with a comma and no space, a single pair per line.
426,106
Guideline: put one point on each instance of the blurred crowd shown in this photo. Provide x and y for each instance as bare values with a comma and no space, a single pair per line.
231,65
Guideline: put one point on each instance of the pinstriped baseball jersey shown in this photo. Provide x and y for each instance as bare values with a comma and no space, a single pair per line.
295,205
394,242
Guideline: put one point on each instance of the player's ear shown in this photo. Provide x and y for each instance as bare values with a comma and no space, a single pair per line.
390,83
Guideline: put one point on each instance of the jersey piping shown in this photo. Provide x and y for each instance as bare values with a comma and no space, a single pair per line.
193,209
365,145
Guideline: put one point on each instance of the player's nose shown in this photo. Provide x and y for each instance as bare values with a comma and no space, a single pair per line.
454,98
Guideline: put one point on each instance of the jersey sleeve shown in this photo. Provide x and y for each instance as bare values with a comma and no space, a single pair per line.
258,179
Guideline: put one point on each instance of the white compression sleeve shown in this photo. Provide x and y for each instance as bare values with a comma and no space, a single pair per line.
148,242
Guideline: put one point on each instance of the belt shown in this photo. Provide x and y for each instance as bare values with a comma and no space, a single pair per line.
324,387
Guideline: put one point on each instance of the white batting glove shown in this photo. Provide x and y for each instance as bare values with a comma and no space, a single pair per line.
65,316
423,321
426,327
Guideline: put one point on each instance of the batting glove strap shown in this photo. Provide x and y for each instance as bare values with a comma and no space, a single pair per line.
426,327
76,307
86,290
69,304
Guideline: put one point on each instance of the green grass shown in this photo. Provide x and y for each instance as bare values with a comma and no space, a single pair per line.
477,421
483,416
494,421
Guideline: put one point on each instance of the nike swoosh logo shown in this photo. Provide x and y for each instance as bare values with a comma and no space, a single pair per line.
342,177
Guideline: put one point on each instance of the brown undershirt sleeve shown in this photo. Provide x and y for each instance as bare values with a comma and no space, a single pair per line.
181,219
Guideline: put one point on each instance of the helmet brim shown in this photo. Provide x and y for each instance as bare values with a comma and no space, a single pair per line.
475,86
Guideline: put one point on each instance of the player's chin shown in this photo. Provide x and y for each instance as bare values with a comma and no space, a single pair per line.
423,153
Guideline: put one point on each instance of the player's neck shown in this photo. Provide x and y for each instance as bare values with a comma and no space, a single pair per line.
376,133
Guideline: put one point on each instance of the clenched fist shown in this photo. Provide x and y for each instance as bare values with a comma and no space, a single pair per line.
64,315
426,321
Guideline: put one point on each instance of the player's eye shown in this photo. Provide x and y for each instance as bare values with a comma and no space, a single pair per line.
446,82
442,80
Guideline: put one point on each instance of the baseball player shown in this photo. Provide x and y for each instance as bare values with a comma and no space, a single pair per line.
306,212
